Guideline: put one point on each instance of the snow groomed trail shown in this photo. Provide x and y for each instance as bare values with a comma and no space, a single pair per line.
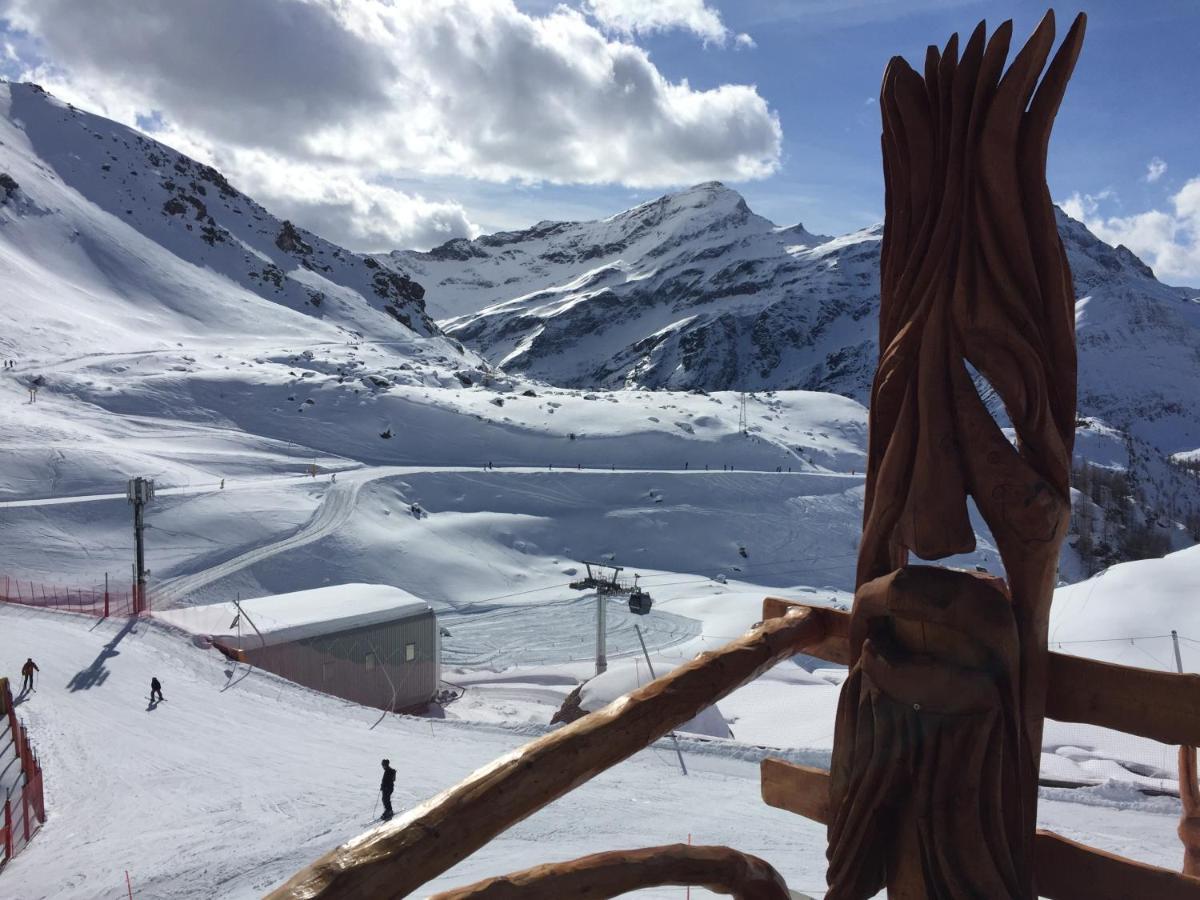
239,778
337,505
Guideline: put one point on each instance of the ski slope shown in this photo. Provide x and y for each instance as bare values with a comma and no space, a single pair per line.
238,778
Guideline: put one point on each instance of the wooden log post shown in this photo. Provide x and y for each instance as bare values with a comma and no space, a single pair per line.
396,858
974,287
1189,821
601,875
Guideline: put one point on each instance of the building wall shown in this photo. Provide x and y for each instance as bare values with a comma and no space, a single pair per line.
364,664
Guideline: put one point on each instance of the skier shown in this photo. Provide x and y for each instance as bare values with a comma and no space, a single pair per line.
385,788
155,689
333,478
222,484
27,671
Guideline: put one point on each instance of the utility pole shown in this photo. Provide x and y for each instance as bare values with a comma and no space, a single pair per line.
139,492
1178,658
601,632
743,425
650,666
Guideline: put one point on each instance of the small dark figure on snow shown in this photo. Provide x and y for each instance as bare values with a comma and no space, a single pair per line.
385,788
155,690
27,671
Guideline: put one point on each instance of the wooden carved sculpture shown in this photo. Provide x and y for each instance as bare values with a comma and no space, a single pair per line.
935,764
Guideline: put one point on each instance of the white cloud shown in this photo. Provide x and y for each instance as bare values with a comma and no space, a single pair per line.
1169,241
646,16
338,204
459,88
1155,170
1082,206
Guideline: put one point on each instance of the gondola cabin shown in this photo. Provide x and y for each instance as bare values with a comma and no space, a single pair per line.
639,602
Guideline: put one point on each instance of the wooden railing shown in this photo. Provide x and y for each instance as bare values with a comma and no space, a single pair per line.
1158,705
397,858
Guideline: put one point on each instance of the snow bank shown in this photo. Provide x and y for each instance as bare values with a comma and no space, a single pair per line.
630,674
1126,613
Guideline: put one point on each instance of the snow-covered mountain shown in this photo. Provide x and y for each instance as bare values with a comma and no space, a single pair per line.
692,290
110,240
695,291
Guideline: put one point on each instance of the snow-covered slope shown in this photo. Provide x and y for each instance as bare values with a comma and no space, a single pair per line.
239,778
111,241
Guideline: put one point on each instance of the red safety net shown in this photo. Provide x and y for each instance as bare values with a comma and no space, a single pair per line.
91,601
21,779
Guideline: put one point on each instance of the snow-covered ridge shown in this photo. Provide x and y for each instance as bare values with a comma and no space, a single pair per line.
105,228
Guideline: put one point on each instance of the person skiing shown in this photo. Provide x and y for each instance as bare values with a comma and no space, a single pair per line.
27,671
155,690
385,788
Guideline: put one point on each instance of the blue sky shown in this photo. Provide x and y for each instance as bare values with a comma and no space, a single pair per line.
404,123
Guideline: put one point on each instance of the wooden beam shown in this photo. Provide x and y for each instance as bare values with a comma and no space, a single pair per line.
1162,706
1064,869
799,789
719,869
834,645
395,859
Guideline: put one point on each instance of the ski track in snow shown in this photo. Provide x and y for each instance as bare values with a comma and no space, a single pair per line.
337,505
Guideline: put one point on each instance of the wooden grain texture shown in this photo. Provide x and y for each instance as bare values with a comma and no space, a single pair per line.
935,680
1189,820
1162,706
974,273
803,790
1070,871
974,288
1064,870
834,645
396,858
719,869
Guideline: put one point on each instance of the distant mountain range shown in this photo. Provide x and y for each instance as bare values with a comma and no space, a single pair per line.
693,291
